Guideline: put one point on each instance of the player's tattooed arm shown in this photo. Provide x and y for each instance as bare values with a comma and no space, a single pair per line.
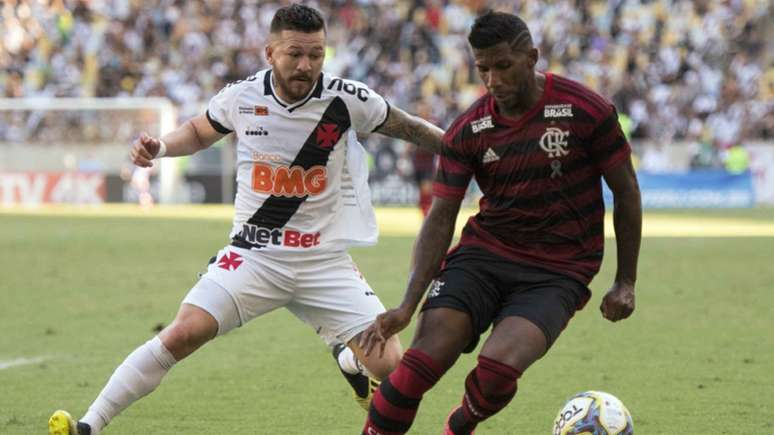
414,129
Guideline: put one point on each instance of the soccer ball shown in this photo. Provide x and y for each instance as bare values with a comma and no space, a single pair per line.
593,413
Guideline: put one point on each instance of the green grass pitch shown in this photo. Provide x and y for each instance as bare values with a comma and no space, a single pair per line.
77,294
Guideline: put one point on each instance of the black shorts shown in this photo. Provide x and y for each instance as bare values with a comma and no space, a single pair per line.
490,288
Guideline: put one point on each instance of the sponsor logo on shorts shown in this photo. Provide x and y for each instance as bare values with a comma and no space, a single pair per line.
230,261
260,236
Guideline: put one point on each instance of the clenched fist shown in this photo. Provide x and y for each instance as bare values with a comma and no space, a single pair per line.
144,150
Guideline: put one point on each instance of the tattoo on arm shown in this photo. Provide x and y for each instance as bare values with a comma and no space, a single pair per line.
414,129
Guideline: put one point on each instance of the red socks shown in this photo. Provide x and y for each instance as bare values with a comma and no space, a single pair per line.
488,389
395,404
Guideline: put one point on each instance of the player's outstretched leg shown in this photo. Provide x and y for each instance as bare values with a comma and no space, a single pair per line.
141,372
363,385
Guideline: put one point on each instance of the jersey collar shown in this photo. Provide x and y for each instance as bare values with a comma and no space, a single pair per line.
268,89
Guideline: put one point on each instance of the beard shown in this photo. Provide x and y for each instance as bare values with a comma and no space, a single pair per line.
295,87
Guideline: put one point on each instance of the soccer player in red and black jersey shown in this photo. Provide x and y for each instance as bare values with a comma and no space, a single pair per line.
539,146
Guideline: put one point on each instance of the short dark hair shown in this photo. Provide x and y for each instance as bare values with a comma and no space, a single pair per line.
297,17
492,28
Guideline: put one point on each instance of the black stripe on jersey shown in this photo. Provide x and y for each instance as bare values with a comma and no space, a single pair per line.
276,211
612,147
386,116
453,179
572,214
576,189
590,256
508,176
216,125
604,127
550,238
455,154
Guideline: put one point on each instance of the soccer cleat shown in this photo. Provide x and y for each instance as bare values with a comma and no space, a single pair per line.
62,423
363,387
446,429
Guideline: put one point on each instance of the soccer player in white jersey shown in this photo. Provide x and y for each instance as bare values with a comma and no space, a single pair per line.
296,212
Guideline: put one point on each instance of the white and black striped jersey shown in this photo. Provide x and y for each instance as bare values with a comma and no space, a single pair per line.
292,160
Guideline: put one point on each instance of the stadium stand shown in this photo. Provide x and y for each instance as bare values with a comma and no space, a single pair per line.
691,70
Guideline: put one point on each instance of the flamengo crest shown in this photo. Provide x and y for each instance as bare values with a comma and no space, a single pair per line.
554,142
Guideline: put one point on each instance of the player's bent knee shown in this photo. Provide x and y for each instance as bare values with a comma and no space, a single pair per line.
382,367
191,329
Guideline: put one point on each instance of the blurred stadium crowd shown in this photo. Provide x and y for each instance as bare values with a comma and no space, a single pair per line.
692,70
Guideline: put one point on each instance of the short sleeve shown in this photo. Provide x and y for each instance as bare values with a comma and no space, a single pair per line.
607,144
219,111
455,169
368,110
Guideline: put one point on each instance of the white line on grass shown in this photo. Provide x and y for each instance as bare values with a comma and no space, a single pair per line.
20,362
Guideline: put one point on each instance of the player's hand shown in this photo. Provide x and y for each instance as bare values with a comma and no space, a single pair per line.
144,149
385,326
618,302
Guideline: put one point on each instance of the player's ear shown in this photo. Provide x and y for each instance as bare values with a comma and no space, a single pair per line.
269,53
532,56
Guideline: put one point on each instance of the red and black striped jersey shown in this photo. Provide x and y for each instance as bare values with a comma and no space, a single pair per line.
540,175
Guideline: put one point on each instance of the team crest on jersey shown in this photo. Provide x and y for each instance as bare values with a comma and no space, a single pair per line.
481,124
230,261
557,111
554,142
327,135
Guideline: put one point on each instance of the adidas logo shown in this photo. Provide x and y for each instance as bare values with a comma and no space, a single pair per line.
490,156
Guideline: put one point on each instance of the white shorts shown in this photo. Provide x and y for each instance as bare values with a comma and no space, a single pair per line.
327,292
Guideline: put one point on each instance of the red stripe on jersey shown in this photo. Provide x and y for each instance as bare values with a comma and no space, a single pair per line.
453,166
529,187
448,192
582,270
599,114
571,87
545,211
620,156
475,111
